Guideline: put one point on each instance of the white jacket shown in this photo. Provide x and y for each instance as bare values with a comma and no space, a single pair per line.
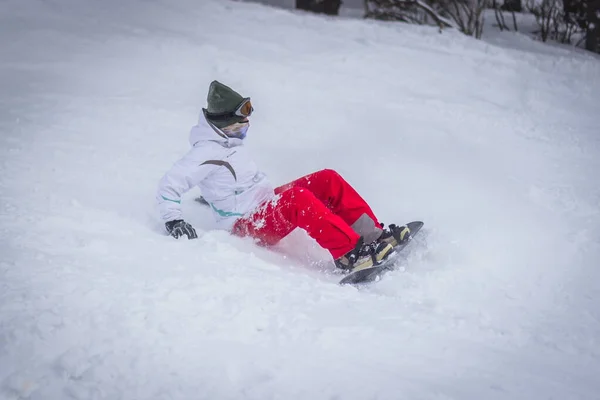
223,170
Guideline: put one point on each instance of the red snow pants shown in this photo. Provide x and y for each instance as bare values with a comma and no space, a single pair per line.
322,203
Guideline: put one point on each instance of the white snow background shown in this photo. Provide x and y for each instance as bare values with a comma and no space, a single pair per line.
494,144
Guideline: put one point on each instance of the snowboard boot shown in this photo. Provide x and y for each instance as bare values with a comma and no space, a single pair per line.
364,256
395,235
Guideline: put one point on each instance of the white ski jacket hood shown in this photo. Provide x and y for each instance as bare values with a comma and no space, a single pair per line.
223,170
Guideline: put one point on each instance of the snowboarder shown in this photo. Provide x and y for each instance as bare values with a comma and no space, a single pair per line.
244,202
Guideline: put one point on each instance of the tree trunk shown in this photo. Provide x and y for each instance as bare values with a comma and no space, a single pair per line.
512,5
303,5
329,7
592,40
332,7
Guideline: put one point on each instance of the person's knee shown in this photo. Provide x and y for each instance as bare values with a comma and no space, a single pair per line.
328,174
328,171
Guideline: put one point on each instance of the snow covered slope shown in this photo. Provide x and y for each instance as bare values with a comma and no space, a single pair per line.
496,148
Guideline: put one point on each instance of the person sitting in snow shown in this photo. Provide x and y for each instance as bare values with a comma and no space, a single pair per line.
244,202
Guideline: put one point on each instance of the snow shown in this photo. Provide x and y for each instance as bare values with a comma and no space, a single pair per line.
494,144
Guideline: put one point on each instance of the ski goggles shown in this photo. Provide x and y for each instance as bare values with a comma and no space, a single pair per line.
245,109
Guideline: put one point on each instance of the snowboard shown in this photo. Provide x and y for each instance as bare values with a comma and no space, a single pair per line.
374,273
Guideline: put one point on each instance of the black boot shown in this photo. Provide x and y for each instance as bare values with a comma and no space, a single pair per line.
364,255
395,235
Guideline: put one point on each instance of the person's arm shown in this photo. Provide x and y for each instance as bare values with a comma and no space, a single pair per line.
183,175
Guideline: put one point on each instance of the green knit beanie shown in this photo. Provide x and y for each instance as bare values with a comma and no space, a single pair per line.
221,100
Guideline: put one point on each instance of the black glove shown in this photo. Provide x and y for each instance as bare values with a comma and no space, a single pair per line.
177,228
